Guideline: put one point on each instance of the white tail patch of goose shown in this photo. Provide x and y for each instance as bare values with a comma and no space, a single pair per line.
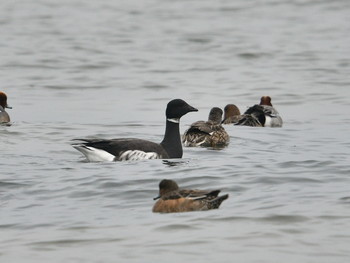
135,155
94,154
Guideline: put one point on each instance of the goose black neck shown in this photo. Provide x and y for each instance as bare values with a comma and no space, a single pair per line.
172,140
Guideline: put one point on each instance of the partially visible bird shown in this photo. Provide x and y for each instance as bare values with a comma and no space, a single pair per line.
232,114
4,116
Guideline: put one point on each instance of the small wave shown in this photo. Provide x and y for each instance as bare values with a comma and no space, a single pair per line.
7,185
72,242
176,227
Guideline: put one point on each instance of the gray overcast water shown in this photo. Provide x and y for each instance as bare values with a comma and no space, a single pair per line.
74,69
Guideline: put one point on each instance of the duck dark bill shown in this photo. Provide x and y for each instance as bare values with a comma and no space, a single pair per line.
156,198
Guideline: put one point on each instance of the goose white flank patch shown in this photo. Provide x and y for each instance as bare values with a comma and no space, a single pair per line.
4,116
123,149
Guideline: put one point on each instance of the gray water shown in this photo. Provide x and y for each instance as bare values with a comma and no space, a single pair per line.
75,69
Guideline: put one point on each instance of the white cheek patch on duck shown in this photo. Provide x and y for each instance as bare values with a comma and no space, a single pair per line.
134,155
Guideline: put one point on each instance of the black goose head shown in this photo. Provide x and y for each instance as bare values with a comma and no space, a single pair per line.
215,115
166,186
178,108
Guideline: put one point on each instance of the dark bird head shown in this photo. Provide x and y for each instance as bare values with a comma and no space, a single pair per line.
215,115
166,186
3,100
230,111
178,108
265,100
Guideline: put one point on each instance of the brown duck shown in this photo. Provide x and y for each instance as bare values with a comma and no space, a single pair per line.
174,200
232,114
207,133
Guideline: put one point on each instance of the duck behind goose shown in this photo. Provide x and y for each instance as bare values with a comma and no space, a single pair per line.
207,133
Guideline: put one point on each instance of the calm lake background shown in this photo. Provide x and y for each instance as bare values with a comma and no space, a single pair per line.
75,69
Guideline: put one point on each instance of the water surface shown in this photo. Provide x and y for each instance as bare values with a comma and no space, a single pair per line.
74,69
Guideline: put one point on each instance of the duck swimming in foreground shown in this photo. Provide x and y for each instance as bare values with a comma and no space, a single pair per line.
4,117
262,115
96,150
207,133
174,200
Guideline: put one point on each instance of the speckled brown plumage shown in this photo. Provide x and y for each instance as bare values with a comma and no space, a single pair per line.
207,133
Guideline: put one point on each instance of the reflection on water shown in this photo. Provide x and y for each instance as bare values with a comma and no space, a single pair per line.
174,163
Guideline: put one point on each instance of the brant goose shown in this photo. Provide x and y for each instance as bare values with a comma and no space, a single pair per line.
96,150
4,117
173,200
262,115
231,114
207,133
